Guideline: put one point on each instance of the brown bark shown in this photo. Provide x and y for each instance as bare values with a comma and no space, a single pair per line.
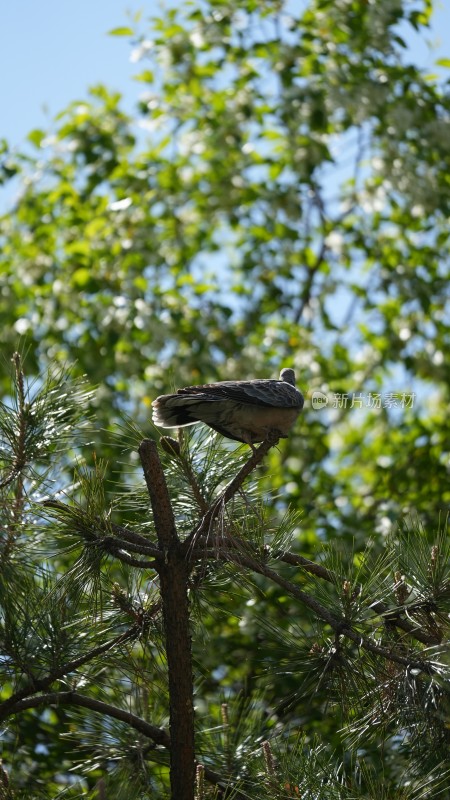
173,573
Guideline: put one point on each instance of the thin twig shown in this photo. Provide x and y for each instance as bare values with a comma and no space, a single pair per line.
309,566
233,487
305,298
203,550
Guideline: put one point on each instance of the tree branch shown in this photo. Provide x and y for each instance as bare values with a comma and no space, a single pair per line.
135,538
41,684
390,615
340,626
157,735
131,540
117,548
175,449
159,495
309,566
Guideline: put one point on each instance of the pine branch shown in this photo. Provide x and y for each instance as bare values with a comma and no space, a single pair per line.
340,626
87,526
120,549
115,548
175,449
19,438
233,487
135,538
308,566
390,616
157,735
41,684
159,495
393,617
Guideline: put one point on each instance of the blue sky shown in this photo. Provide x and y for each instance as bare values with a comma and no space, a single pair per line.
52,50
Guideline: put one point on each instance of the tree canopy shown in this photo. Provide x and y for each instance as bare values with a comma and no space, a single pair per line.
279,198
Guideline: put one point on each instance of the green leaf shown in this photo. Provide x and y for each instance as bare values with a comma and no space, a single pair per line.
81,277
122,31
36,136
147,76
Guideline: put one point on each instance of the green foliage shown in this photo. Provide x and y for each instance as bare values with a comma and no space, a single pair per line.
289,206
279,198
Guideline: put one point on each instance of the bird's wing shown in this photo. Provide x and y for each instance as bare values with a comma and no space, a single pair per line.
278,394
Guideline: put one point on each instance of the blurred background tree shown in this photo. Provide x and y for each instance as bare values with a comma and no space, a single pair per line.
280,198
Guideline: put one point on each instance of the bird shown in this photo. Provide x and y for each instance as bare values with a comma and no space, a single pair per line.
245,411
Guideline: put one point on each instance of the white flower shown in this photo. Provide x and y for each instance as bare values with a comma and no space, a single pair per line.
197,39
334,241
141,50
120,205
22,325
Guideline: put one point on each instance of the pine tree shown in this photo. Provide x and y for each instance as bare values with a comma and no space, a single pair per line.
116,600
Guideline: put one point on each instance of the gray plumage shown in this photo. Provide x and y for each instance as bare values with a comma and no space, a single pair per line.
246,411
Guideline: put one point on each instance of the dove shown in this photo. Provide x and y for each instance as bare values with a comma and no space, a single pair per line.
245,411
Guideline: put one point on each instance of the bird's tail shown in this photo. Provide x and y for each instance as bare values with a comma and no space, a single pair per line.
171,411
